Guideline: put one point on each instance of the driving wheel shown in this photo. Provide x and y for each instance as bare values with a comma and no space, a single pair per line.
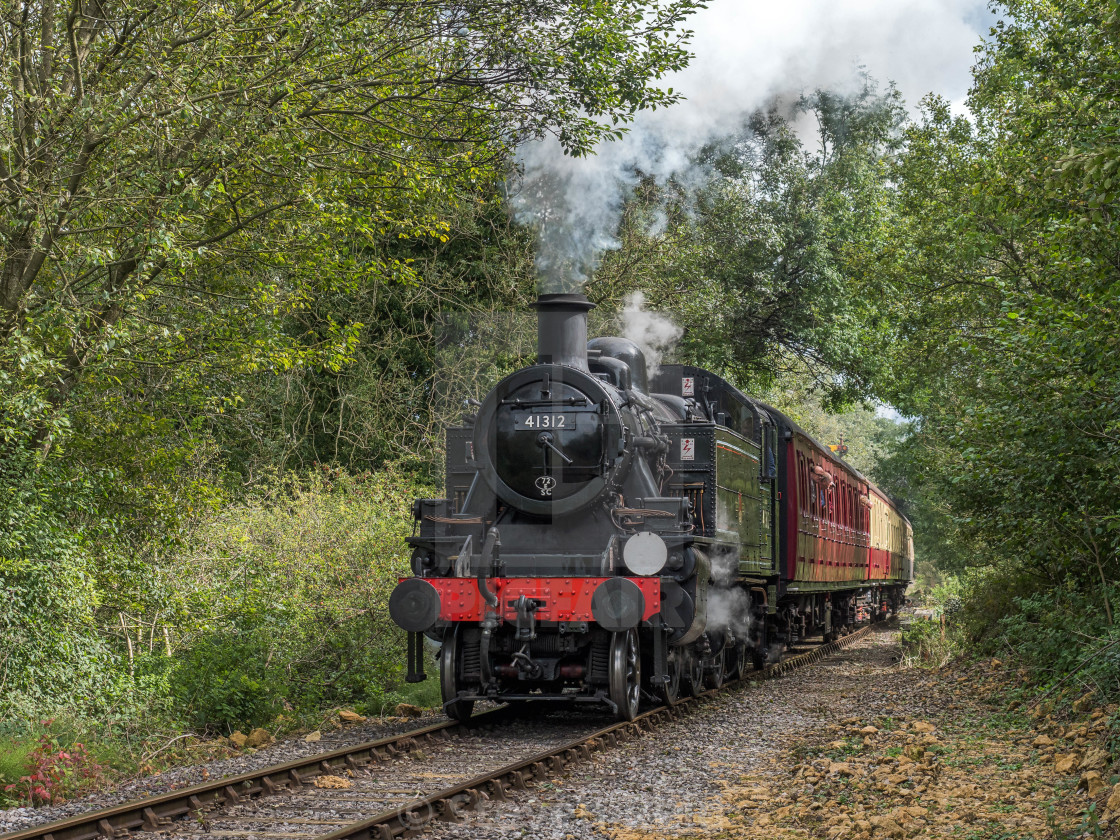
449,656
694,672
625,674
714,675
671,691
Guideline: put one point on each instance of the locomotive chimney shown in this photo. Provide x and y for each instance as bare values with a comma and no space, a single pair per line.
562,329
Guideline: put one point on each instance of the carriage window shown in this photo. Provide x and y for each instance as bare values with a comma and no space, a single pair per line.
812,493
802,485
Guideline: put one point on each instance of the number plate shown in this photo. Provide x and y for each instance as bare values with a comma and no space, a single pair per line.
546,421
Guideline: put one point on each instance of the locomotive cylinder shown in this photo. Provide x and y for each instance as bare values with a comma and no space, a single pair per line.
562,330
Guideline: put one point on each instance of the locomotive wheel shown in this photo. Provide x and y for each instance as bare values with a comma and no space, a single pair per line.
670,692
695,673
757,659
743,660
625,674
713,677
455,708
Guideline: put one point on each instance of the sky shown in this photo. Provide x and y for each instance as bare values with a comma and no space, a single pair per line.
747,51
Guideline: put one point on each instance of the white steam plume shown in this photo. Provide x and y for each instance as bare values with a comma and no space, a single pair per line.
729,609
653,332
748,53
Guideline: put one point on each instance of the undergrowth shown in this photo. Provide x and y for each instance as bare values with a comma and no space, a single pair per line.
271,613
55,771
926,643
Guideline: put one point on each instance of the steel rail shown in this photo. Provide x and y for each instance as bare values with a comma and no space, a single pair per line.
447,805
157,812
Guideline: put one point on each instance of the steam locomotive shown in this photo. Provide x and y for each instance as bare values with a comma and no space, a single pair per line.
609,536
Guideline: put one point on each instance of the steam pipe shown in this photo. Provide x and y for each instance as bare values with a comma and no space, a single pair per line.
486,566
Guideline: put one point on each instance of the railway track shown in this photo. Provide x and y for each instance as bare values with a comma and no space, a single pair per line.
382,789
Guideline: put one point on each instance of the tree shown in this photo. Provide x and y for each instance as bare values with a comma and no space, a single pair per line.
164,164
197,197
751,261
998,275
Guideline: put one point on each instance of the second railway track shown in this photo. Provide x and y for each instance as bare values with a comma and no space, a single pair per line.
383,789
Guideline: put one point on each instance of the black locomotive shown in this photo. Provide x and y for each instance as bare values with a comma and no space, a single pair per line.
606,536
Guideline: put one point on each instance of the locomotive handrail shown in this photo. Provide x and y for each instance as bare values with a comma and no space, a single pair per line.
519,403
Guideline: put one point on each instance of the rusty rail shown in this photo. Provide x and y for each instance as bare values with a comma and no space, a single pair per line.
448,804
157,812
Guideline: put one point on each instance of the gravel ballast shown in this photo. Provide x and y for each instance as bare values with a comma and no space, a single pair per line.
662,782
289,749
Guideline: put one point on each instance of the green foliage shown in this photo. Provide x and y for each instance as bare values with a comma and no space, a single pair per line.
422,350
51,654
926,643
208,203
760,243
283,599
1061,635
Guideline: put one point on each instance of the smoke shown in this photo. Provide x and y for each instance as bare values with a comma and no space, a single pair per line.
729,609
748,53
653,332
728,605
725,565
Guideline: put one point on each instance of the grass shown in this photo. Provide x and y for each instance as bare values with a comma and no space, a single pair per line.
425,694
14,754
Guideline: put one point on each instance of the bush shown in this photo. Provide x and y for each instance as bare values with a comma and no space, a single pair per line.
1060,635
1063,635
286,599
926,643
51,654
276,604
